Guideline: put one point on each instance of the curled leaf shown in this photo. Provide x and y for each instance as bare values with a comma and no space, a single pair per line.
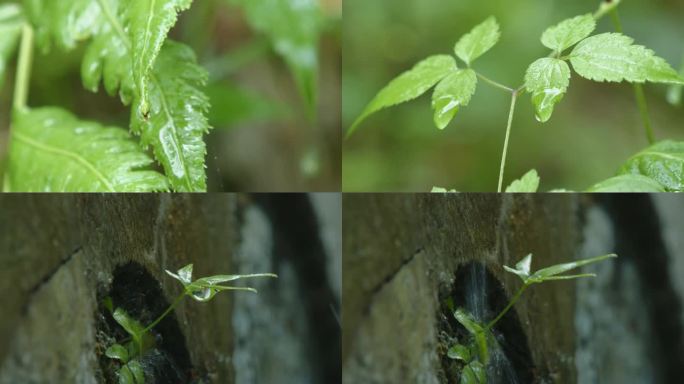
453,92
547,79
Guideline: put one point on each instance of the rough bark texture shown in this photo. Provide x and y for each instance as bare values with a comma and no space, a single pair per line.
401,253
58,252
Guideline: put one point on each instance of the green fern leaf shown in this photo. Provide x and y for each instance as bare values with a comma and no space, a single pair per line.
612,57
176,121
170,114
51,150
293,27
11,20
149,21
63,23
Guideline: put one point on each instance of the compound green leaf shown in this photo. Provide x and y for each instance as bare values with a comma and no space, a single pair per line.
452,92
662,162
550,272
176,121
409,85
11,20
51,150
63,23
478,41
612,57
568,32
547,80
528,183
293,27
628,183
149,22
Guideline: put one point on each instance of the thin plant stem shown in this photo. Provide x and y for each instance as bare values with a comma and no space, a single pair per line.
21,84
508,134
168,310
638,89
494,83
508,307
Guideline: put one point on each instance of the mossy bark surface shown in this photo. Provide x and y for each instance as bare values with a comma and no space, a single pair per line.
58,254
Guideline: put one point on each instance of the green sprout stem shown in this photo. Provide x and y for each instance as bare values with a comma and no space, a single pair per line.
506,139
24,62
508,307
168,310
494,83
638,88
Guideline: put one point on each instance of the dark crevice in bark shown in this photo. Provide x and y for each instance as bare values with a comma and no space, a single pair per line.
297,239
638,239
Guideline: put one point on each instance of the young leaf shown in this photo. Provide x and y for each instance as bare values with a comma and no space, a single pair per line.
451,93
149,21
184,275
177,119
459,352
547,80
293,27
118,352
522,268
129,324
478,41
467,321
11,20
409,85
554,270
662,162
612,57
627,183
568,32
51,150
528,183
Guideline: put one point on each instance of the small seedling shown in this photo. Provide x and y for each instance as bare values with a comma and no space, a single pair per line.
475,355
130,350
604,57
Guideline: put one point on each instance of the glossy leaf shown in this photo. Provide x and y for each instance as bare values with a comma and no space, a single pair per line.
554,270
528,183
51,150
662,162
205,288
63,23
523,267
132,373
453,92
294,28
176,122
473,373
409,85
129,324
148,23
568,32
612,57
478,41
11,20
118,352
547,79
627,183
467,320
459,352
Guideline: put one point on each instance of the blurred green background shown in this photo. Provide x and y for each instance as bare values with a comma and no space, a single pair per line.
265,136
593,130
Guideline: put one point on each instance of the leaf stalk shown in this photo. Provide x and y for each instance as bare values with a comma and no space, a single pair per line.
21,85
508,134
